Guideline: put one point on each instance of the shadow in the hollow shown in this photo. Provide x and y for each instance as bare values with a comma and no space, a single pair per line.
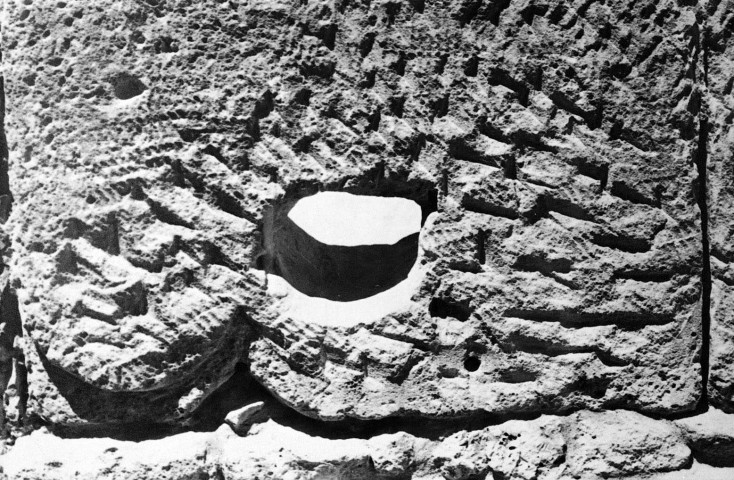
242,389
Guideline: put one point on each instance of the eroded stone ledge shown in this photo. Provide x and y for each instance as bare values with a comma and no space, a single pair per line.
618,444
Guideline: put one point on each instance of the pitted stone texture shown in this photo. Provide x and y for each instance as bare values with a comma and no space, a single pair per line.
719,105
711,436
561,263
617,444
582,446
565,258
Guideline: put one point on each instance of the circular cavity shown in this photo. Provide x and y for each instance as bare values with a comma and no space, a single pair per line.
340,218
472,364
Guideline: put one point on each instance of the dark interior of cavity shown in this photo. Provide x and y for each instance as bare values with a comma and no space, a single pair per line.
337,272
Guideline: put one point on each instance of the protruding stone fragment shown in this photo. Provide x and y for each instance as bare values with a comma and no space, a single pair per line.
242,419
711,437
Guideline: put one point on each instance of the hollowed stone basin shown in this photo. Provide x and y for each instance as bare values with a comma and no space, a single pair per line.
346,247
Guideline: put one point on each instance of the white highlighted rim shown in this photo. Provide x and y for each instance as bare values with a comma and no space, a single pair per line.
339,218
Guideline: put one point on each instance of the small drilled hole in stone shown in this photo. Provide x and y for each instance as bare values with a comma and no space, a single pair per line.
472,364
127,86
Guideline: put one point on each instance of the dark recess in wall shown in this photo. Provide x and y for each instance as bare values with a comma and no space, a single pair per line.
10,321
334,272
6,198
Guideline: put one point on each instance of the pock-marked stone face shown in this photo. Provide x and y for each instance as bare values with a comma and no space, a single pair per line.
720,141
155,145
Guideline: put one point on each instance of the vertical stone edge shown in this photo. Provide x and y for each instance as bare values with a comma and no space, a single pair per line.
717,67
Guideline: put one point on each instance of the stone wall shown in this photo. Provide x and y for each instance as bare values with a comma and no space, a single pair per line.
572,165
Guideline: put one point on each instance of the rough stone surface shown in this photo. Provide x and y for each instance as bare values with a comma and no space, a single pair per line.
711,437
696,472
719,107
623,444
620,444
564,312
550,149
